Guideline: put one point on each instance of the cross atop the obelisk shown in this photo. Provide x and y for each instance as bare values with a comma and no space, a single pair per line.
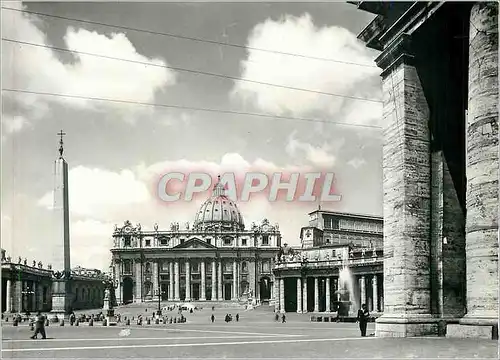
61,143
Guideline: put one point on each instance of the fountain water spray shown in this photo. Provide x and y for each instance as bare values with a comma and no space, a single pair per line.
346,283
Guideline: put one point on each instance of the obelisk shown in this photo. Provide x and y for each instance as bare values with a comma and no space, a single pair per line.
61,286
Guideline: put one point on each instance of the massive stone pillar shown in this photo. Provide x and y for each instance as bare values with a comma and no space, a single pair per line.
304,296
177,292
219,281
170,281
406,184
375,292
282,295
299,295
316,294
203,286
214,281
327,295
276,291
482,172
188,281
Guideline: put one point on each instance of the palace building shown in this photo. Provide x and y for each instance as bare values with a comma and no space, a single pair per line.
216,259
340,262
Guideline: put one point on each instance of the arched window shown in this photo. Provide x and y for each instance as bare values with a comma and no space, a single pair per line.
127,266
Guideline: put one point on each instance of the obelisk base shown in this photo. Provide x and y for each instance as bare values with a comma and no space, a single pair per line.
392,325
471,326
61,299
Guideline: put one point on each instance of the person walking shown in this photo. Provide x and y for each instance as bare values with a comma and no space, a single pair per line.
237,317
39,326
363,316
283,318
212,317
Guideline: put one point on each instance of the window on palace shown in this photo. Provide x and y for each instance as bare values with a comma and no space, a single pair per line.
265,266
148,268
244,242
209,241
164,241
265,239
227,241
228,267
127,267
126,241
195,267
244,267
182,241
165,266
148,242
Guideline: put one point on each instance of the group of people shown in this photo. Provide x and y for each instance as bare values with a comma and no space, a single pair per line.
228,318
283,318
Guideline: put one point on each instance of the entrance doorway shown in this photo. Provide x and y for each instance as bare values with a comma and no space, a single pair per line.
164,292
196,292
228,287
265,288
290,294
128,290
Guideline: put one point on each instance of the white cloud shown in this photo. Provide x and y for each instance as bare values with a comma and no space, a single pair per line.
13,124
299,35
95,191
356,162
41,69
322,157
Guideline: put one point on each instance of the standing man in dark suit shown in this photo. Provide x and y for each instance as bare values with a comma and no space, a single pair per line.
363,316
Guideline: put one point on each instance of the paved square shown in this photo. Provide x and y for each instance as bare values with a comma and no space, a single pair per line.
256,335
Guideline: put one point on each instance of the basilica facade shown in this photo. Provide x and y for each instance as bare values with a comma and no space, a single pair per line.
215,259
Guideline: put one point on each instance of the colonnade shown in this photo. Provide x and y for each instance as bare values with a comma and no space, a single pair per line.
23,295
365,291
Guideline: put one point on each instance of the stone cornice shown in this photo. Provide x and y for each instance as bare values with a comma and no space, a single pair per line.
399,51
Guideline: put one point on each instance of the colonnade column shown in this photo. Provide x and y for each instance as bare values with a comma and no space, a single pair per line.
282,295
299,295
138,281
203,286
407,214
8,303
362,285
188,281
235,280
316,295
171,281
482,172
214,281
177,282
375,292
327,290
219,281
33,300
304,296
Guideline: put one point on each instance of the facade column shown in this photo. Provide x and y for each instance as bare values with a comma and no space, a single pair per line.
276,293
235,280
138,281
219,282
282,295
362,292
214,281
177,288
482,172
188,281
8,303
304,296
407,212
156,283
327,290
171,281
299,295
375,293
33,299
316,294
203,285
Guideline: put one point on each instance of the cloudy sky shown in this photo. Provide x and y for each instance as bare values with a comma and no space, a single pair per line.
117,151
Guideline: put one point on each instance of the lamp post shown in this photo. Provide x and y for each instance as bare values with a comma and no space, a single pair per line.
158,292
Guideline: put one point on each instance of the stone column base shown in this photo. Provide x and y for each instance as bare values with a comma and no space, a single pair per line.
406,325
471,326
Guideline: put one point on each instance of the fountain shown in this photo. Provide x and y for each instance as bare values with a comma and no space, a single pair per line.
108,309
345,292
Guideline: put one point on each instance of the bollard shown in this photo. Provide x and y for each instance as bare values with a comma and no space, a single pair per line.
157,321
127,322
77,322
91,322
104,322
175,320
148,321
14,323
62,322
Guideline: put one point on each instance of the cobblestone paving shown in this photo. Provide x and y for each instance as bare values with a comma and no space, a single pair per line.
256,335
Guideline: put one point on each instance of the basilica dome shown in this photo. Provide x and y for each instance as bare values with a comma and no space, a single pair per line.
219,212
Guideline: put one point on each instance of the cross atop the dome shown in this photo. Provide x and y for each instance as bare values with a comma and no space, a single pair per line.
61,143
218,188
